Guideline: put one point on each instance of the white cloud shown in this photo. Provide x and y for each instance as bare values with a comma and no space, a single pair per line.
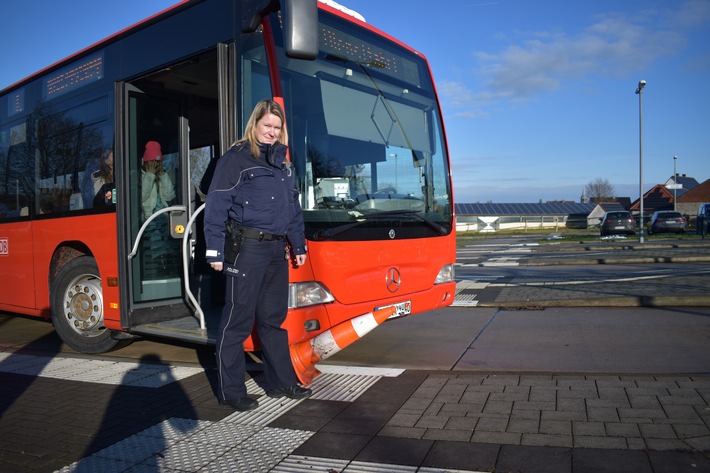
614,45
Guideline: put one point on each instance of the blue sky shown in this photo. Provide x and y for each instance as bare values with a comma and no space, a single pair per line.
538,96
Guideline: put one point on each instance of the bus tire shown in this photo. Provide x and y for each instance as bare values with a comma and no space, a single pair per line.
77,307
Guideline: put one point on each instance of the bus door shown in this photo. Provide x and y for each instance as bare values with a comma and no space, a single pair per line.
154,152
170,140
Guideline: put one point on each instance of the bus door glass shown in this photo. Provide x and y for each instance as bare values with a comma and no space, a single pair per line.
154,170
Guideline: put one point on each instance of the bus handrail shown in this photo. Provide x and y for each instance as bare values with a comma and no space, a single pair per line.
186,280
134,251
185,238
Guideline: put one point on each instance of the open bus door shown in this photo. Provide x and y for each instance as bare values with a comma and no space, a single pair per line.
166,285
157,207
153,199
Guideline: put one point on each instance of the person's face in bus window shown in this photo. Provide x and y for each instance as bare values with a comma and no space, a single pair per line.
268,129
108,162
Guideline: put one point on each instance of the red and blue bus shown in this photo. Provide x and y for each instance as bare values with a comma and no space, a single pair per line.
367,144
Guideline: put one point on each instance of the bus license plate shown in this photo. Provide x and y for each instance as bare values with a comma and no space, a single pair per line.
403,308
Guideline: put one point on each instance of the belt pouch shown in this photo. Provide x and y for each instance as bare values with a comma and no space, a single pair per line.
233,238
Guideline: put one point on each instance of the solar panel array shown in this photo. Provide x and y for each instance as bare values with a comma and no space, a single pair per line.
524,209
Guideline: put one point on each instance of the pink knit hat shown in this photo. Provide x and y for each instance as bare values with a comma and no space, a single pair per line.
152,152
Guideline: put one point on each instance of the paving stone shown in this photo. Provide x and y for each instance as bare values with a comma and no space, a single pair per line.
612,392
546,440
403,432
588,428
657,431
474,397
666,444
394,450
556,427
699,443
682,412
519,458
671,462
460,409
685,431
542,393
502,438
563,415
428,393
498,407
609,461
448,434
583,393
537,380
486,388
523,426
535,406
682,396
647,391
582,441
501,380
432,422
464,456
644,402
508,396
462,423
525,414
622,429
433,409
403,420
626,413
635,443
578,405
492,424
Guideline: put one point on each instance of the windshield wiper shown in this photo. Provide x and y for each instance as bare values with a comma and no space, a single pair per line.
387,214
417,215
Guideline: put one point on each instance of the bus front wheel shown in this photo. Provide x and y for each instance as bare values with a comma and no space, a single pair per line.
77,307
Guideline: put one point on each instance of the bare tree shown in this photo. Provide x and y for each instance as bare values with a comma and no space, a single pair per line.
599,190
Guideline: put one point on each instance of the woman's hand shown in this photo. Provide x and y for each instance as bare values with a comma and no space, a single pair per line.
217,266
300,260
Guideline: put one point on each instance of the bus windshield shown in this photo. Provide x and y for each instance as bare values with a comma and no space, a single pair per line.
367,138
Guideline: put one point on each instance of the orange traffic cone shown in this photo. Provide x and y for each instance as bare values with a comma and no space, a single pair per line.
305,355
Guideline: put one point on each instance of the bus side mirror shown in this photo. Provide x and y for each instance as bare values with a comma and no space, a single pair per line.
301,28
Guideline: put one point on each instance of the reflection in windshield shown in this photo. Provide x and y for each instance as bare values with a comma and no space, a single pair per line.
367,136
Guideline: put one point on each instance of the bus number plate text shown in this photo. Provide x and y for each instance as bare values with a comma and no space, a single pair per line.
403,308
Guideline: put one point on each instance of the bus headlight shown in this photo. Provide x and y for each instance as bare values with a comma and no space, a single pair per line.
304,294
445,275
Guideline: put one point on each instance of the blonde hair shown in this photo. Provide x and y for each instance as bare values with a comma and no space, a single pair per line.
264,107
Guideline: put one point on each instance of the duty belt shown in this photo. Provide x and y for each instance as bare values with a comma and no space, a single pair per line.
261,236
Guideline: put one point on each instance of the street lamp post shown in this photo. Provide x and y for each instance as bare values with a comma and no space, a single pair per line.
639,91
675,183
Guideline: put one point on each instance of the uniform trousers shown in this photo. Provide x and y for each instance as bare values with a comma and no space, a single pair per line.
256,291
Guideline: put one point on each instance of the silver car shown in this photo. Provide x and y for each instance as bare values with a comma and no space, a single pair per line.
667,221
618,222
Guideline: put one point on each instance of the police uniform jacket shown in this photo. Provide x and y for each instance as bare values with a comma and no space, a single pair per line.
258,194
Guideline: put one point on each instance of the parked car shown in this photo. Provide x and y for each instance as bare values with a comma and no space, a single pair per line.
617,222
703,221
667,221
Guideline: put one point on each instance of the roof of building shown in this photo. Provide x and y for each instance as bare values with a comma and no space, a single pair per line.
700,193
566,208
688,183
611,206
658,198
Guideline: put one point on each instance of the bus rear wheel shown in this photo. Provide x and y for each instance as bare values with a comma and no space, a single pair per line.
77,307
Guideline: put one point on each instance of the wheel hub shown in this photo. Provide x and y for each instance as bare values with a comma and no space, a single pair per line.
84,306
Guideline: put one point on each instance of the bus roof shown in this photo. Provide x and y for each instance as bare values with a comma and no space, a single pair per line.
110,39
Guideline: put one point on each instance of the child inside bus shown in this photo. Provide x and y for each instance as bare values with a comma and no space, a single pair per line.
157,189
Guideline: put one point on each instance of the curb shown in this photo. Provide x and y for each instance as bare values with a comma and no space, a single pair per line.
625,301
646,260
